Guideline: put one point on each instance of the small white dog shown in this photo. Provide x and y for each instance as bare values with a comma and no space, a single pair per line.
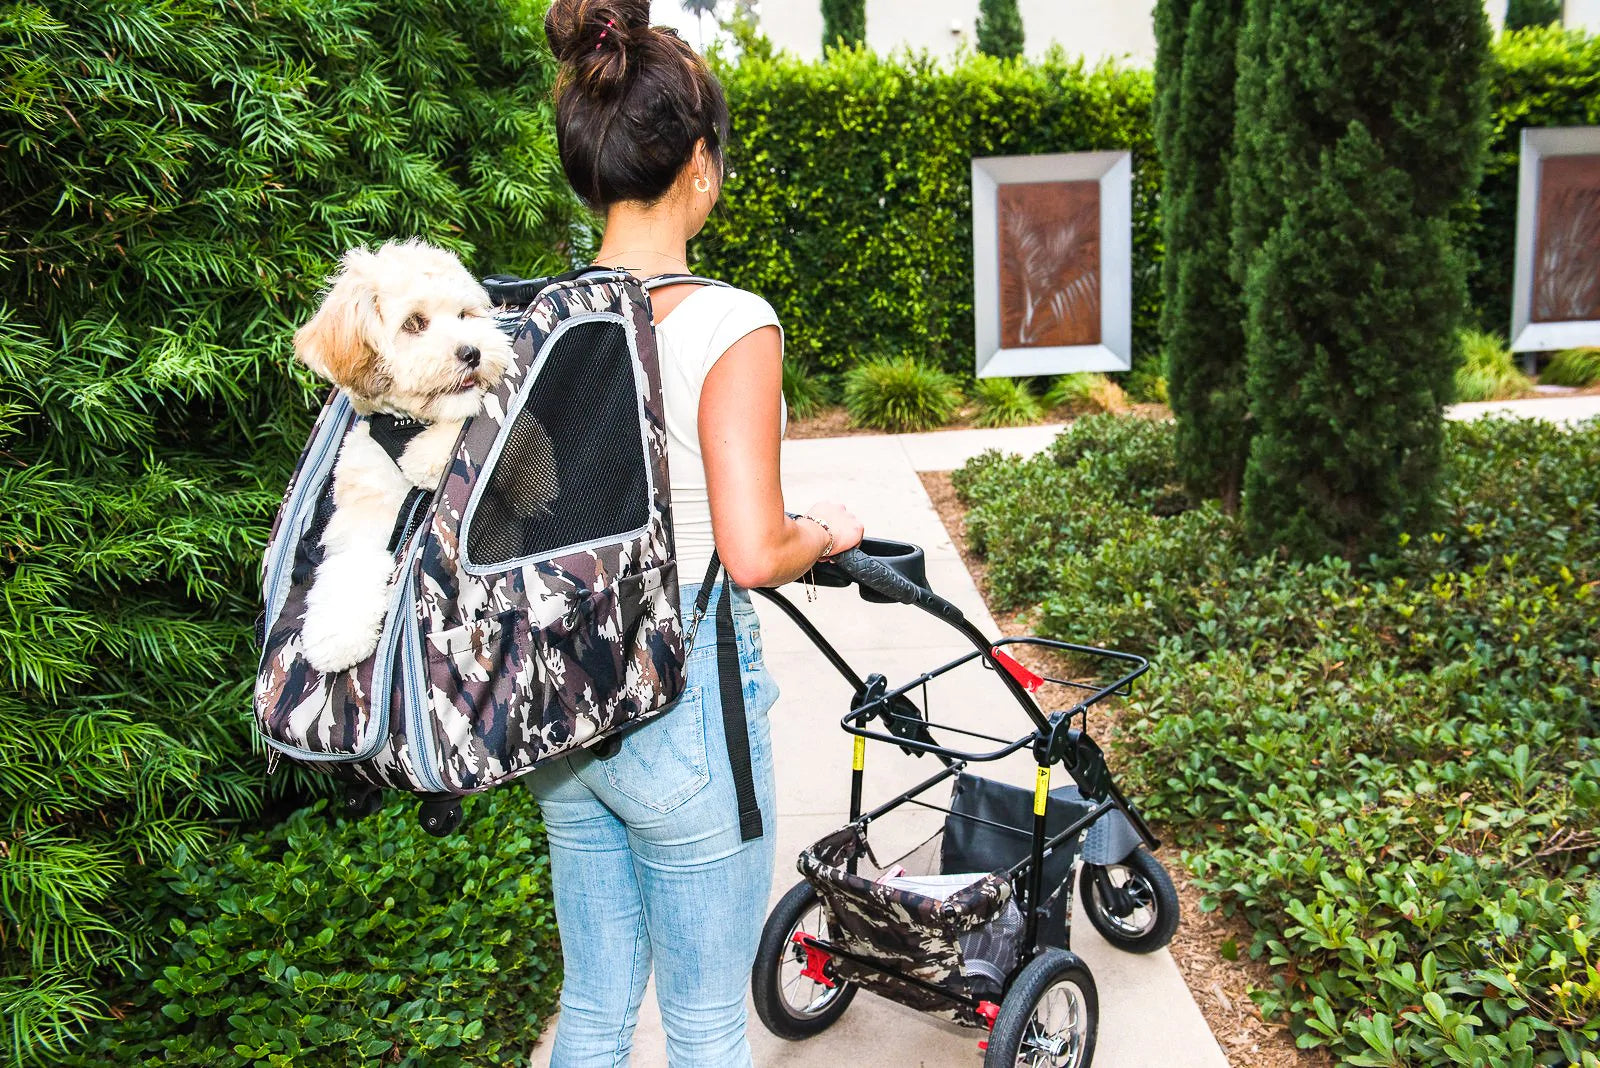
406,332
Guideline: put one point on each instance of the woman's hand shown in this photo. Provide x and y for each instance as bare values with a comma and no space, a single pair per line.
846,528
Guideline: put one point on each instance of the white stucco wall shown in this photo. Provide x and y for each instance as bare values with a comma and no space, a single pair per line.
1091,28
1582,15
1094,29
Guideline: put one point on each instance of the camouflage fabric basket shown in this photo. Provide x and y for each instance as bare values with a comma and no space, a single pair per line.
518,629
964,943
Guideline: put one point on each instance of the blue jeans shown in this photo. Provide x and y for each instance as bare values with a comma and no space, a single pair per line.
649,869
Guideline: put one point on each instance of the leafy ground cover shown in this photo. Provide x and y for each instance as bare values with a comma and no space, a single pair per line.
324,942
1390,769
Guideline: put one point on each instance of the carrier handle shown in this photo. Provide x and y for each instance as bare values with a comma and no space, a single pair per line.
882,579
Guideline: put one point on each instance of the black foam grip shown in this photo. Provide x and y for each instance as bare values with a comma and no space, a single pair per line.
877,576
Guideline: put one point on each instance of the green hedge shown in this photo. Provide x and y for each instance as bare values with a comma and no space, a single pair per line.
179,178
323,943
1390,769
848,199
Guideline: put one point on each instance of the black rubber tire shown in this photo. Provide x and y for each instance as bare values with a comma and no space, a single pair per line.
1157,887
766,985
1051,967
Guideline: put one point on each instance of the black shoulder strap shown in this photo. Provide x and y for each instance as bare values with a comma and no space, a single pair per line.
734,726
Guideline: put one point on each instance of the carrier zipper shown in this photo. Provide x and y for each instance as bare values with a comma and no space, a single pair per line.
313,474
418,735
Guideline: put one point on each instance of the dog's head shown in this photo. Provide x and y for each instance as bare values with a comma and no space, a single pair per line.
406,329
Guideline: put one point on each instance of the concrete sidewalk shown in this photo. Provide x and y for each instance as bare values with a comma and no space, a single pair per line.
1147,1016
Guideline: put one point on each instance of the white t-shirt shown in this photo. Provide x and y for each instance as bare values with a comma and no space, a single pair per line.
689,341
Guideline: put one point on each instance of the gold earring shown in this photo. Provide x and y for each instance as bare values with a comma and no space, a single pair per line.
702,184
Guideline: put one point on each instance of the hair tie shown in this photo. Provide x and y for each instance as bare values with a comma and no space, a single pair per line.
609,23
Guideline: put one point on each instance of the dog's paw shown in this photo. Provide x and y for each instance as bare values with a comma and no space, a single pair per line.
331,643
345,609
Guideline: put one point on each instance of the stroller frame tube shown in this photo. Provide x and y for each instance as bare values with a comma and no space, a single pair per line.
1045,740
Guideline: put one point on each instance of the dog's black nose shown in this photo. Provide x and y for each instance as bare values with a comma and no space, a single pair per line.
469,355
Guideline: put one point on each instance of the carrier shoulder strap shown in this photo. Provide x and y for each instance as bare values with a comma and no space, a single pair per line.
735,728
681,279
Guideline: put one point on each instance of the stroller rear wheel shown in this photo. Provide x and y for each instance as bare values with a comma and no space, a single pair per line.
1049,1016
790,998
1133,904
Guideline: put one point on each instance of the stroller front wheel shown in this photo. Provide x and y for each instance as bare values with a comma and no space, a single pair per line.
789,997
1133,904
1049,1016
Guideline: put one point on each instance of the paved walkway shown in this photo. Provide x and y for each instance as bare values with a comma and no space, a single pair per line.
1147,1016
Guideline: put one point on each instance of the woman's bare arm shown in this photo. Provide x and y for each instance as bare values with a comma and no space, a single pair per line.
740,424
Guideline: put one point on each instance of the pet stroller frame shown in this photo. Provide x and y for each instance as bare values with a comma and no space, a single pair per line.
1088,824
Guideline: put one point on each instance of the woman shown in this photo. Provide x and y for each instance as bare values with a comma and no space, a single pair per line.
645,846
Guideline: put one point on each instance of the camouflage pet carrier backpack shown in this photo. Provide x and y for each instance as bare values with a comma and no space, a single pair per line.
533,605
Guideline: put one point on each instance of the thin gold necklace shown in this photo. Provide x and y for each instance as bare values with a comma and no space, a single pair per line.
644,251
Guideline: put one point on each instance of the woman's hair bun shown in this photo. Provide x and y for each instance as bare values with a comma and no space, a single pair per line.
597,40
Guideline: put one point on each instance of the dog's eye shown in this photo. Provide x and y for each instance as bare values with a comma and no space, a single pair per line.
415,323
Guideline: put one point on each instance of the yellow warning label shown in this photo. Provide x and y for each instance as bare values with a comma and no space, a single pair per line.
859,760
1041,791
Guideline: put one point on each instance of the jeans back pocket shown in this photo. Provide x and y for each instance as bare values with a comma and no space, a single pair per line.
663,763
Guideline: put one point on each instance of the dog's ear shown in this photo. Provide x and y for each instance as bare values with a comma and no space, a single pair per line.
342,340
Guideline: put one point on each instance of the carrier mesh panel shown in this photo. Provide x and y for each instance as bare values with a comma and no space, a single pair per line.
572,469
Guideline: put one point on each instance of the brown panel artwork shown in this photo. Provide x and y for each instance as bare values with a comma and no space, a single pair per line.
1049,264
1566,283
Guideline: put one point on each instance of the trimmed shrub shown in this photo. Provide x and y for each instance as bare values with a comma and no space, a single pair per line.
999,28
848,200
1573,367
1202,315
1005,402
1389,769
1085,391
897,393
186,175
325,942
1487,370
805,392
1354,298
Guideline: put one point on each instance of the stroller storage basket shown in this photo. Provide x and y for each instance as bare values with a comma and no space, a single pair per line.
938,954
949,912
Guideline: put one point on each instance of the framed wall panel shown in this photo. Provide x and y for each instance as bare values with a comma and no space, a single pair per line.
1555,300
1052,257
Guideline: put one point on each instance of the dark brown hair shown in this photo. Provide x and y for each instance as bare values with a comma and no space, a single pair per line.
632,100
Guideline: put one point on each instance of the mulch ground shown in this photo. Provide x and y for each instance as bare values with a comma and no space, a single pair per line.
1220,986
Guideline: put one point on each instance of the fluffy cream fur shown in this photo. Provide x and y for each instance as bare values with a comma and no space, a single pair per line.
404,330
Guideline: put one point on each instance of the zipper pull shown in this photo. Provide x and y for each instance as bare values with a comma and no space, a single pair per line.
273,756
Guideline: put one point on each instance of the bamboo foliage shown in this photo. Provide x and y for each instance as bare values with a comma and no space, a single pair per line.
177,180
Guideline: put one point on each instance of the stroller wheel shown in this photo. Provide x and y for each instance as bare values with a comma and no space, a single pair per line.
790,997
1133,904
1049,1016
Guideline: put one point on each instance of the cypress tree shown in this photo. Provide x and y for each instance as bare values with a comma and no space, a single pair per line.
999,28
1201,313
844,22
1355,292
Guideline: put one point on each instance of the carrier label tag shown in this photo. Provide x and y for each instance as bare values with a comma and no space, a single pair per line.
859,759
1041,791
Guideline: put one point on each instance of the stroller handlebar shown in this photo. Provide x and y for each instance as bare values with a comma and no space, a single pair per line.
888,571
